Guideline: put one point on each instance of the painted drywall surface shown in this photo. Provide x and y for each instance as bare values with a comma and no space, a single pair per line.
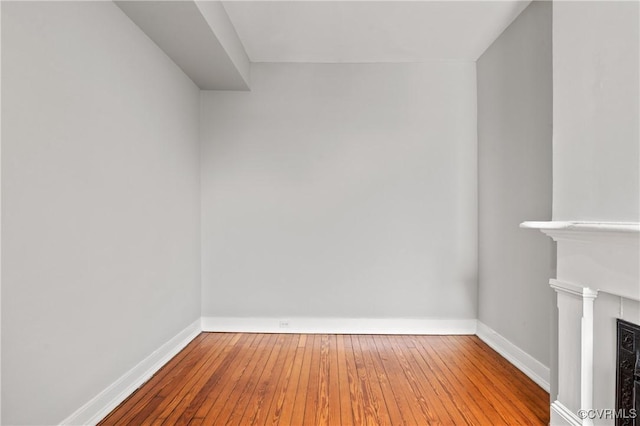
334,190
216,15
196,37
514,169
100,204
596,145
369,31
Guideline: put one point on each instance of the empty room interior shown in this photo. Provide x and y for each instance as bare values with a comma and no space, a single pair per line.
320,212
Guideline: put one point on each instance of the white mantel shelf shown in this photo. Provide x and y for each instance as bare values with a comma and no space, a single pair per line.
630,227
591,232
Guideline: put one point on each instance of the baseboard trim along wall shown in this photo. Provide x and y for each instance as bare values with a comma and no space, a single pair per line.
103,403
340,325
562,416
530,366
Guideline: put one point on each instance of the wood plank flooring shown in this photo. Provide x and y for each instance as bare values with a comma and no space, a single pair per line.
297,379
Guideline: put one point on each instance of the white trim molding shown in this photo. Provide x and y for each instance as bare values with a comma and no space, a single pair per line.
103,403
562,416
310,325
574,289
575,345
576,230
524,362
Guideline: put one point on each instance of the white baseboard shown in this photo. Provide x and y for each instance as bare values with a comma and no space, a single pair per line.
103,403
562,416
340,325
530,366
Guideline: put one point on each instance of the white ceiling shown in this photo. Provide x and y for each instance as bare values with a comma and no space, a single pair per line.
369,31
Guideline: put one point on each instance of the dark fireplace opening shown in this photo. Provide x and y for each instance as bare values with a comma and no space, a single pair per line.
628,374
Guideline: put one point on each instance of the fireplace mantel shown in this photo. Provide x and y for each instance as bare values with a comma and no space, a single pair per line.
592,258
594,232
584,226
602,256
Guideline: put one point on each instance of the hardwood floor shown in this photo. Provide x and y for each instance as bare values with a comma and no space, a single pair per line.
293,379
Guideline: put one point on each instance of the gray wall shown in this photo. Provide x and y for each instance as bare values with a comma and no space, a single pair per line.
100,196
514,169
596,145
341,191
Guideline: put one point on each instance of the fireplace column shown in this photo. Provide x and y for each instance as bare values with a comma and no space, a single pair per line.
575,352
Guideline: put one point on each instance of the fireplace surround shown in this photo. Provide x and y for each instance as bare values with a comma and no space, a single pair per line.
597,283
